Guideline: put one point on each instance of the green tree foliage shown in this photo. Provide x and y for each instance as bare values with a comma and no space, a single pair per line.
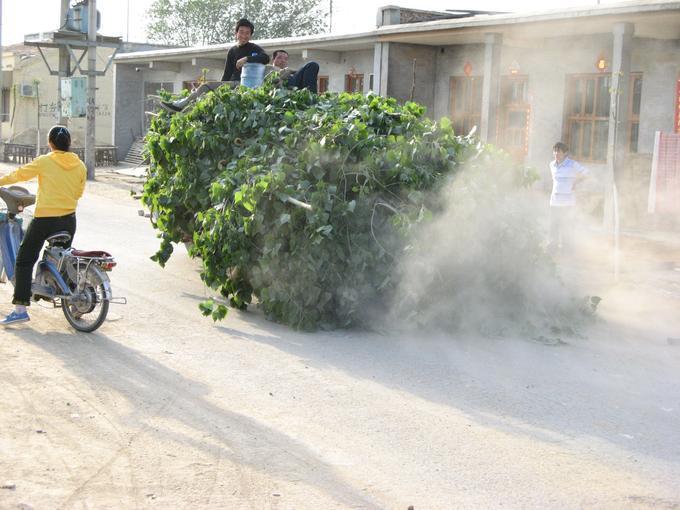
308,202
204,22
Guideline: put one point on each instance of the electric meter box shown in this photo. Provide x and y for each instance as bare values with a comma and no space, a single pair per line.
74,97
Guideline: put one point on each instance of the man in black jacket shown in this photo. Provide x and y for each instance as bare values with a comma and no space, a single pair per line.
243,52
237,57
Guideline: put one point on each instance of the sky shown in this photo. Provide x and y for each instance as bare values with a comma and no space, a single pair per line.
126,18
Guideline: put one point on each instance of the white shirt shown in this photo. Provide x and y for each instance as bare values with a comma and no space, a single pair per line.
563,177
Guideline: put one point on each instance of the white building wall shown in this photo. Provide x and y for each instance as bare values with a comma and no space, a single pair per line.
659,76
29,113
547,64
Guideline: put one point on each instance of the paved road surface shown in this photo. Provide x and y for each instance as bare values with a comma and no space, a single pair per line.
161,408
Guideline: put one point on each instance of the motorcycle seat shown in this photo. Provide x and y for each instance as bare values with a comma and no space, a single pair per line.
91,254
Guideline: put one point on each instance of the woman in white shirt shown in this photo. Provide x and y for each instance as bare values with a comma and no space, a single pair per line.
566,173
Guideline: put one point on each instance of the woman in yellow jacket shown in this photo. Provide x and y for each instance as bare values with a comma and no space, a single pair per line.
61,182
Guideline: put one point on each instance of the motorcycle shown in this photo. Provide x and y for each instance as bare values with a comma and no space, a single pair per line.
74,280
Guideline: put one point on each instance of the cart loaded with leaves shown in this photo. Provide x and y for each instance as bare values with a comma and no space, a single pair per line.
305,202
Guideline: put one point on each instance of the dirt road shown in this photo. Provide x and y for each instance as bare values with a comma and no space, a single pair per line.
161,408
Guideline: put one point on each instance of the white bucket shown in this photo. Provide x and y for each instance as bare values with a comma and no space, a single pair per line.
252,75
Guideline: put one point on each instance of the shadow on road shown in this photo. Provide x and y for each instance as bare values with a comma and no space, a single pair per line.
154,390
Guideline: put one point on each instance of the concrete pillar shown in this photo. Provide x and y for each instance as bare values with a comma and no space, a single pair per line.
381,59
491,86
617,142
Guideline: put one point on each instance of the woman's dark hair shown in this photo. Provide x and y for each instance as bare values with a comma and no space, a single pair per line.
245,23
60,138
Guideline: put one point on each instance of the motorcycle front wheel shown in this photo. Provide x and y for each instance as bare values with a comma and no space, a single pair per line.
87,308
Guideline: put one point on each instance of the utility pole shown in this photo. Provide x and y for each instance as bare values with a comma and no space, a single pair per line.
64,62
330,16
85,39
91,87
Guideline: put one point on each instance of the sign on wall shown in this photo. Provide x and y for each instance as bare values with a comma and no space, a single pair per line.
74,97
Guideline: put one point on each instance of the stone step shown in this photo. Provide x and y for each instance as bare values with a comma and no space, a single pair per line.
135,155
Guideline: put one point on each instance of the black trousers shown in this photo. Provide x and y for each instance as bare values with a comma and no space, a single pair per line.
29,251
305,77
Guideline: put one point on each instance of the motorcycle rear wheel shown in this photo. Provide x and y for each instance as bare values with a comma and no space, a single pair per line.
86,310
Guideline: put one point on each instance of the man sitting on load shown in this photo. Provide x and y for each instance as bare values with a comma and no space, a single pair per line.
239,55
303,78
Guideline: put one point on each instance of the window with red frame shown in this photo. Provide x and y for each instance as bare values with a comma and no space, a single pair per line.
466,103
354,83
587,115
322,84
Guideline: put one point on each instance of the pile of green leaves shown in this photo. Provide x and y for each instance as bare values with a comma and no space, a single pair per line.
303,201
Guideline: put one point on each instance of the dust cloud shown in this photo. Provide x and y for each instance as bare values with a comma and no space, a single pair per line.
481,263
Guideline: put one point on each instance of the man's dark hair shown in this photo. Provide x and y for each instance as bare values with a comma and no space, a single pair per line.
561,146
245,23
276,52
60,138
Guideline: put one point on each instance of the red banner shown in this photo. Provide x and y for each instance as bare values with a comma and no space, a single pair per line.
664,190
677,106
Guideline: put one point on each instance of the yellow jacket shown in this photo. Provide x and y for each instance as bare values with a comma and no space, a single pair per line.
61,182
